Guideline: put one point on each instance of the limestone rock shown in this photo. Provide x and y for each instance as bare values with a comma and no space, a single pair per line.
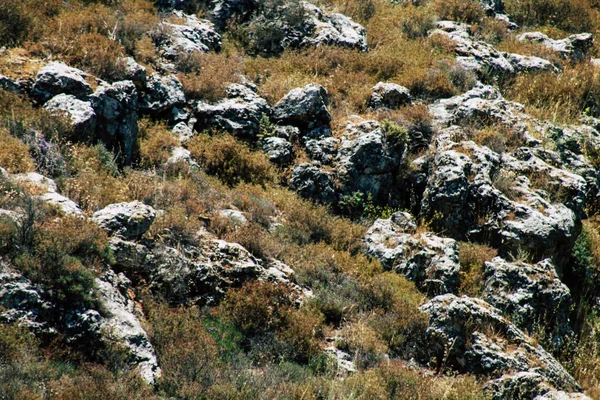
161,94
56,78
116,108
80,113
305,107
389,95
426,259
312,182
574,47
129,220
279,150
240,113
190,36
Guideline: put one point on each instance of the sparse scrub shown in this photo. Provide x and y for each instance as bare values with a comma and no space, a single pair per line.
472,257
569,15
156,143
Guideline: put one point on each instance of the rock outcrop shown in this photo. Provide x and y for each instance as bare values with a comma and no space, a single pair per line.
305,108
574,47
129,220
57,78
188,36
79,112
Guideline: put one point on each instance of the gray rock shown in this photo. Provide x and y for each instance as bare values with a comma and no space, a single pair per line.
287,132
129,220
531,295
10,85
80,113
119,323
365,161
42,183
389,95
560,395
56,78
312,182
239,114
484,58
279,150
179,156
469,335
235,216
130,256
183,132
333,30
161,94
191,36
116,107
322,150
574,47
521,385
305,107
428,260
223,10
67,206
134,72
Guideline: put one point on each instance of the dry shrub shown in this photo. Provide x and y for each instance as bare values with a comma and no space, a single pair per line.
417,22
206,76
512,45
499,138
569,15
492,30
231,160
559,97
362,341
14,154
471,257
469,11
156,143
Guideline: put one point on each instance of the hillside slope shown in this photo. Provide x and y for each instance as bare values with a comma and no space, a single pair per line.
247,199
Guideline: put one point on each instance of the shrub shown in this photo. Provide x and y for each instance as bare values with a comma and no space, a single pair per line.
417,22
569,15
471,257
232,161
469,11
64,256
14,22
14,154
156,143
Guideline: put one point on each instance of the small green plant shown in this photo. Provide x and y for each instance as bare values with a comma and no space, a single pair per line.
359,206
266,128
396,134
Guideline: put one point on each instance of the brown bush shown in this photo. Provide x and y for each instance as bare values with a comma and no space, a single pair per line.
569,15
156,143
231,160
206,76
14,154
469,11
471,257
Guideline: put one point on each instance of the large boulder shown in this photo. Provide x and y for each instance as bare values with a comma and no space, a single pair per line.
240,113
303,107
129,220
424,258
116,107
389,95
366,161
469,335
80,113
191,35
333,30
161,94
531,295
56,78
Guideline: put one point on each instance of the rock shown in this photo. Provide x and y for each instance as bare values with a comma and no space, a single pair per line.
483,58
129,220
314,183
116,108
428,260
180,155
190,36
560,395
287,132
343,360
235,216
134,72
279,150
161,94
365,161
80,113
11,85
56,78
22,302
521,385
183,132
39,182
305,108
322,150
469,335
240,114
531,295
130,256
333,30
389,95
574,47
223,10
120,324
67,206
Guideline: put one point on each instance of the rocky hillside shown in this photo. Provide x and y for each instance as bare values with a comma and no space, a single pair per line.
277,199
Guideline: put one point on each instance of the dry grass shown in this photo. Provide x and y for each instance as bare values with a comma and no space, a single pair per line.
156,143
569,15
14,154
471,257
